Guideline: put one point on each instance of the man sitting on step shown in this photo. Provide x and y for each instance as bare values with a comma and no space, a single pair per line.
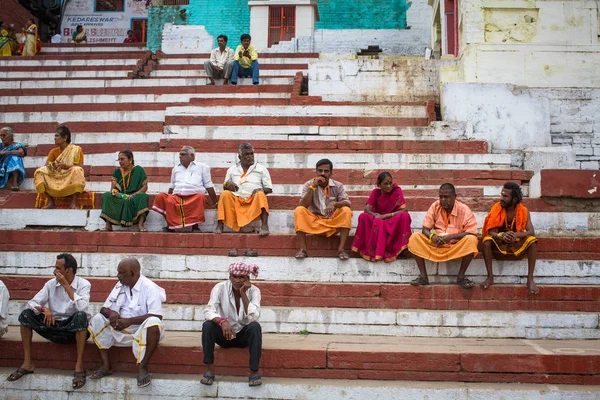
231,320
244,196
245,61
324,210
508,234
184,204
220,64
59,313
449,232
131,316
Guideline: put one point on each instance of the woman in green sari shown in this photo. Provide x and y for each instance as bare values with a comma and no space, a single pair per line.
127,202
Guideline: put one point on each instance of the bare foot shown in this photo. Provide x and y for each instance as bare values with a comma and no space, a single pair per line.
49,206
219,229
533,289
264,231
487,283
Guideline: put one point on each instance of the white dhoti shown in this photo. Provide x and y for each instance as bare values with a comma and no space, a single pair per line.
105,336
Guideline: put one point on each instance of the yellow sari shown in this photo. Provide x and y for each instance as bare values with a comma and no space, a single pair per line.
61,182
5,48
29,48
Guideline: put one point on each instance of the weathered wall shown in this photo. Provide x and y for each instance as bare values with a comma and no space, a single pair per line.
158,17
222,17
364,14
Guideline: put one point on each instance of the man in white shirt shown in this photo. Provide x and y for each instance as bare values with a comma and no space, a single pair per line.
59,313
231,320
221,62
131,316
184,204
4,297
244,197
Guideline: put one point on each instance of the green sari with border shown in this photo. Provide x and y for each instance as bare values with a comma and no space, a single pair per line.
126,212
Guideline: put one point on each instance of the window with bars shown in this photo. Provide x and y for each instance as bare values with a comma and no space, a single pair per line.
282,24
110,5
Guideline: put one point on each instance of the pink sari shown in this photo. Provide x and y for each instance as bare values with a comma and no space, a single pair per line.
379,239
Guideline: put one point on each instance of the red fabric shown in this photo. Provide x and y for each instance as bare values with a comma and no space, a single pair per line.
180,211
241,268
378,239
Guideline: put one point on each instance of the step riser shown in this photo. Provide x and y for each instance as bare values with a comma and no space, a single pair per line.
440,324
64,74
43,64
188,73
101,261
199,61
280,221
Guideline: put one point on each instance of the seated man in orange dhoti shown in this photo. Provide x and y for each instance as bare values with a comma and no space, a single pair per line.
449,232
184,204
244,196
324,210
508,234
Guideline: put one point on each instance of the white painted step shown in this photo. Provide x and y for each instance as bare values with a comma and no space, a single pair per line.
63,74
389,322
365,161
33,139
158,82
405,111
184,73
282,221
169,266
84,116
21,62
134,98
90,49
262,60
48,384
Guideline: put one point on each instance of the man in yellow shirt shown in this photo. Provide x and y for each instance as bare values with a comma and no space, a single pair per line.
245,61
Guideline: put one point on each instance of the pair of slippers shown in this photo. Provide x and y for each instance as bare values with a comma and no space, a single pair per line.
248,253
144,381
208,380
78,377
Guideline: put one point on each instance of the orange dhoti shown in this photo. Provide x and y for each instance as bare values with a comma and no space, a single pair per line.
180,211
236,212
307,222
516,250
420,246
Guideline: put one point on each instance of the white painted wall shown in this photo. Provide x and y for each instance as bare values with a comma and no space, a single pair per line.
185,39
259,26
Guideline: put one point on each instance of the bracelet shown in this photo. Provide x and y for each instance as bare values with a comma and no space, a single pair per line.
312,188
42,308
221,321
500,235
432,234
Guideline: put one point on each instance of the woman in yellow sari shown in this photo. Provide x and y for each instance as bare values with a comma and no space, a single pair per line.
62,175
5,49
79,35
30,32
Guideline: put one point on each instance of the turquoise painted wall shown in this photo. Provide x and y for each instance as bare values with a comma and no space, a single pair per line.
362,14
221,17
158,16
232,17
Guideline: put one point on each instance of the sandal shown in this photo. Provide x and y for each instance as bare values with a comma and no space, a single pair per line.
99,374
254,380
466,283
301,254
78,379
143,230
144,380
342,255
207,379
251,253
232,253
18,374
419,282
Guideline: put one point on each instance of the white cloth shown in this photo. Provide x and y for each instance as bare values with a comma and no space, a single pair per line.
146,297
191,180
105,336
222,305
257,177
4,297
218,58
55,297
56,38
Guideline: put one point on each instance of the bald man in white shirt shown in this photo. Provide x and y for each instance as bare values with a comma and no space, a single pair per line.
59,313
184,204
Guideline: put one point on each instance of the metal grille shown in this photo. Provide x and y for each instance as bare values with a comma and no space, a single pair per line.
139,28
110,5
282,24
175,2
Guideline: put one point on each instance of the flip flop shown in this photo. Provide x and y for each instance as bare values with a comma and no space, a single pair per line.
232,253
466,283
419,282
147,378
254,380
209,379
99,374
251,253
18,374
78,379
301,254
342,255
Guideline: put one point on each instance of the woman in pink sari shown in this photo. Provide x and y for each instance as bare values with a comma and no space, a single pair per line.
384,228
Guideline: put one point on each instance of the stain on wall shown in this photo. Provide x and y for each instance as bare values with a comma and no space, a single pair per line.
507,25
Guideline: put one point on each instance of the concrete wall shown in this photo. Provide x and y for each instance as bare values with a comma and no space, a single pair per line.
158,17
364,14
222,17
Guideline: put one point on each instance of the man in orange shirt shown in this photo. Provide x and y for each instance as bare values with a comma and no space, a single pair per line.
449,232
508,234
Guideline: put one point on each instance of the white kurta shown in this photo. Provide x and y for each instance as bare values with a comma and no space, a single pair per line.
146,297
4,297
222,305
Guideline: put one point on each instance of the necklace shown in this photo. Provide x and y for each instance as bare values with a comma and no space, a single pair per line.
125,182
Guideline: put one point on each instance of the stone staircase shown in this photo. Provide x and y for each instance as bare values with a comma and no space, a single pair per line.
333,329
